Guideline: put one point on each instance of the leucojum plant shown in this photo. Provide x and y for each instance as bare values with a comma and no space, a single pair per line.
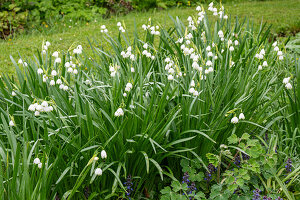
112,124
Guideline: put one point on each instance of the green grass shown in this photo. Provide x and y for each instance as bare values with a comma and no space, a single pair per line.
281,14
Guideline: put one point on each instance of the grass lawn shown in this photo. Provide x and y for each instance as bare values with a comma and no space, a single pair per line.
282,14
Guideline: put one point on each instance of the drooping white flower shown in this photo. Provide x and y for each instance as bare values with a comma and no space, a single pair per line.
103,154
36,113
286,80
170,77
192,83
234,120
40,165
58,81
98,172
119,112
288,86
191,90
36,161
13,93
11,123
55,54
47,43
54,73
265,63
241,116
57,60
259,67
145,46
96,158
44,104
65,88
208,63
40,71
231,48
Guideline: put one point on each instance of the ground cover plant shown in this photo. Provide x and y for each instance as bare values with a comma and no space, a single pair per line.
215,103
64,32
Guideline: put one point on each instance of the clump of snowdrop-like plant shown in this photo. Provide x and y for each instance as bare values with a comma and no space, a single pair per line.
37,162
40,108
146,53
20,61
154,30
121,28
103,29
127,89
78,50
287,83
128,54
113,69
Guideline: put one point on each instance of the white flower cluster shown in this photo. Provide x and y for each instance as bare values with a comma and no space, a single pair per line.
20,61
57,59
201,14
260,55
279,53
78,50
215,11
235,120
153,29
113,70
191,23
287,83
37,162
265,64
38,108
119,112
221,35
128,87
146,53
45,47
121,28
71,67
128,54
186,50
170,68
195,64
180,40
103,29
192,89
53,74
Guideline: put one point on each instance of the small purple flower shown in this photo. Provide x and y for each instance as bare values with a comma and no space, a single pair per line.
288,165
185,178
237,160
267,198
256,195
211,169
128,185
